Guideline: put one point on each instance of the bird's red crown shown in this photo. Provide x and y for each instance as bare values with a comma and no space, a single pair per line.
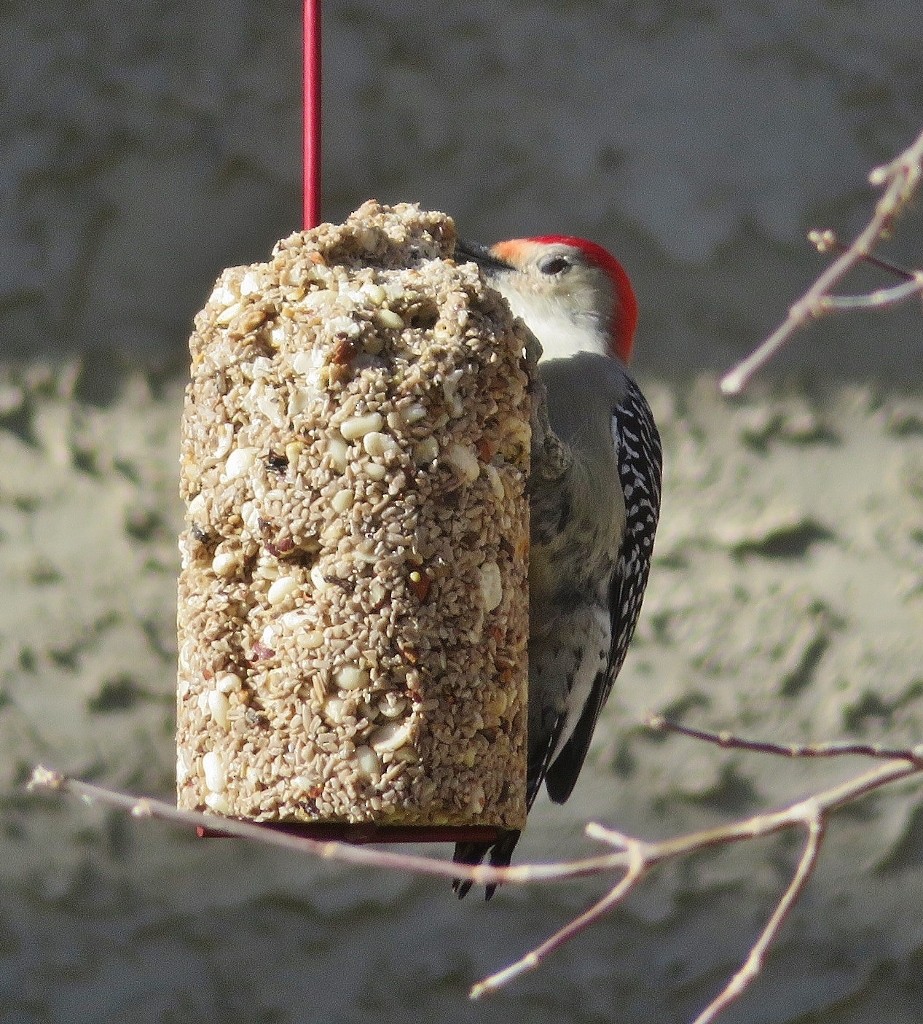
625,319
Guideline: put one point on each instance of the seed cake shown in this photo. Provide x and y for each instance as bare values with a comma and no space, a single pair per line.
353,600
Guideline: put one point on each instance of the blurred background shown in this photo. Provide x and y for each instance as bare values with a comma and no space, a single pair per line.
146,146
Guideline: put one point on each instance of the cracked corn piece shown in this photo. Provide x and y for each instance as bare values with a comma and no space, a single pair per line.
353,598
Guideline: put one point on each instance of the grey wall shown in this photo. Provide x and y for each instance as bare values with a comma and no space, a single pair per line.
146,145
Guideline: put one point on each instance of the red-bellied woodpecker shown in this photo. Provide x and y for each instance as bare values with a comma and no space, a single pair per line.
594,498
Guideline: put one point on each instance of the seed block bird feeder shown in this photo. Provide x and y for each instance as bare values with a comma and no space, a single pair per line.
353,601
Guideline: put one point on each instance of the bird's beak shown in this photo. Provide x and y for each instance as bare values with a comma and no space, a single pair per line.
474,252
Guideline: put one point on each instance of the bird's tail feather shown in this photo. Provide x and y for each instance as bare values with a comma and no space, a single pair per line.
498,853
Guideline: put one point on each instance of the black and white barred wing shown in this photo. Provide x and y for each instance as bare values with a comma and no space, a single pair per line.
640,461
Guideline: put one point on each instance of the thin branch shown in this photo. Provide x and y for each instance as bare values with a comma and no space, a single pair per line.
753,965
900,177
810,814
881,298
769,822
481,874
616,895
839,748
826,240
635,857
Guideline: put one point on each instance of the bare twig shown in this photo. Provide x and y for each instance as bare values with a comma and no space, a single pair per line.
881,298
826,240
634,858
810,814
637,868
481,874
753,965
900,178
838,748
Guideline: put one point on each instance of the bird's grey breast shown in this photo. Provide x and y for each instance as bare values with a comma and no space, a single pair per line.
578,519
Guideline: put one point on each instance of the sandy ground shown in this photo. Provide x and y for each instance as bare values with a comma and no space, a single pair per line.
786,602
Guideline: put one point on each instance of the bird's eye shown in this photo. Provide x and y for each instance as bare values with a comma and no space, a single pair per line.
555,265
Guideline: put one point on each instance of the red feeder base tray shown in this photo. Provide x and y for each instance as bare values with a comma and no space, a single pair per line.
365,833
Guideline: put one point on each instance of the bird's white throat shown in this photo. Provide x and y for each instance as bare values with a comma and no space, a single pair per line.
560,333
